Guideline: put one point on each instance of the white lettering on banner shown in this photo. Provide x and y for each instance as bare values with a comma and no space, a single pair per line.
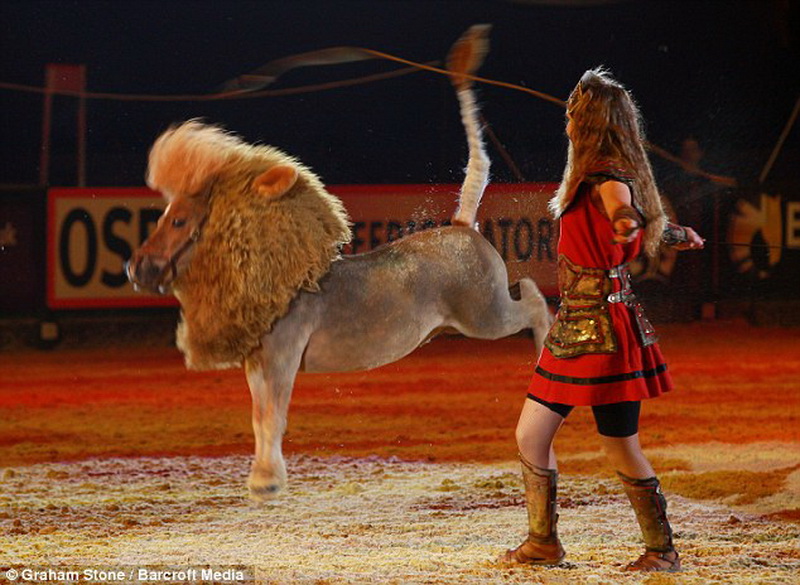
92,232
793,224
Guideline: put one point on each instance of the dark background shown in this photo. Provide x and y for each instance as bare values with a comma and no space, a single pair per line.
723,72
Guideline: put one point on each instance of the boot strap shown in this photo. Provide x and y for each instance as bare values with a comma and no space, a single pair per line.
656,561
650,506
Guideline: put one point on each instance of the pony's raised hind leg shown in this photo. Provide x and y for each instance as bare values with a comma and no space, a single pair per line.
270,384
498,311
534,307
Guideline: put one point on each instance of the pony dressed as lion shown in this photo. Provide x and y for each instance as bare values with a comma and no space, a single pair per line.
250,245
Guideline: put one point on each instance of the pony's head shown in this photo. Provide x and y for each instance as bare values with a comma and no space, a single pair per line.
245,229
185,163
168,250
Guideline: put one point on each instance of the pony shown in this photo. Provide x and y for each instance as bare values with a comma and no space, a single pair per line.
250,245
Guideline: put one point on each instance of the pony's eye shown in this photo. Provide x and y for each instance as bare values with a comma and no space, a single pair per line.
177,222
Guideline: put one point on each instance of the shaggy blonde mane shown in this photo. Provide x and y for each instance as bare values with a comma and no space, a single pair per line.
255,253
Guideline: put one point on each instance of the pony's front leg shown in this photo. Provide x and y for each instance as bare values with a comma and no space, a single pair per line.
270,382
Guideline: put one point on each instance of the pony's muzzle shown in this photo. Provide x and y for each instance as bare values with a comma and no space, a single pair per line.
144,271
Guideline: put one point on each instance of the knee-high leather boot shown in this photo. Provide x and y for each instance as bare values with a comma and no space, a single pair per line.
651,512
542,547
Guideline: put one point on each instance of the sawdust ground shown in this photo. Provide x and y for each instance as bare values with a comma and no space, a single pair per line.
367,520
404,474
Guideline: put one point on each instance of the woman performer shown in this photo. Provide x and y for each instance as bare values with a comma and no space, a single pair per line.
601,351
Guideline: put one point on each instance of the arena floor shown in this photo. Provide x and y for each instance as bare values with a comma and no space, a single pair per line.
117,457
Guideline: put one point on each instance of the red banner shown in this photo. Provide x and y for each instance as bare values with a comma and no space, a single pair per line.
92,232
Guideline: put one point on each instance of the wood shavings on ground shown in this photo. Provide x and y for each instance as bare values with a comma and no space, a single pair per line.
361,520
115,455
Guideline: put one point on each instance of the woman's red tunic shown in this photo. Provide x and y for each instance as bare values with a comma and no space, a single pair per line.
633,372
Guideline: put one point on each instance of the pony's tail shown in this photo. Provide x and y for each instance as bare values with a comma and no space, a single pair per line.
465,57
477,171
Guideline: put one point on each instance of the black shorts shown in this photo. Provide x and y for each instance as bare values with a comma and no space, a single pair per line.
619,419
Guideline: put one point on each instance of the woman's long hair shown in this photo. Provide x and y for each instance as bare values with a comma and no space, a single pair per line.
606,127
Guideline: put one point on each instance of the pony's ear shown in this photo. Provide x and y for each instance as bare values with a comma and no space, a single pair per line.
276,181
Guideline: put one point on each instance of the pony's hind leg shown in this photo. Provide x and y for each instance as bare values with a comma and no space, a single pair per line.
498,311
534,306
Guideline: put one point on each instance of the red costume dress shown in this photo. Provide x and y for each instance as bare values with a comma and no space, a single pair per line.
597,351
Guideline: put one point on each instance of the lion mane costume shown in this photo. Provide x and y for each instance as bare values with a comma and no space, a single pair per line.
255,252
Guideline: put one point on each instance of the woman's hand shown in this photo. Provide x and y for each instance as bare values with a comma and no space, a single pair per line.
693,240
625,230
681,237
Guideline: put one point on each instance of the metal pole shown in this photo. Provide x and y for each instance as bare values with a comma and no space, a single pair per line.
775,151
715,252
47,116
82,130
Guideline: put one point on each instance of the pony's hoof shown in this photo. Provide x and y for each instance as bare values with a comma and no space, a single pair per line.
265,482
265,486
264,493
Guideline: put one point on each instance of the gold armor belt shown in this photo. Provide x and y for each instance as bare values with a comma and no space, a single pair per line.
583,324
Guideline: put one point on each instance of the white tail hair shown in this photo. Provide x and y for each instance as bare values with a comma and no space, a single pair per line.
477,171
